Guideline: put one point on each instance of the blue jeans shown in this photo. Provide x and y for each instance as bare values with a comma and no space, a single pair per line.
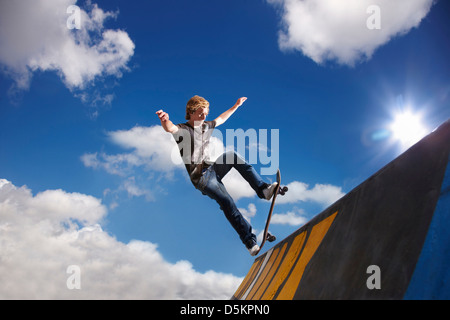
210,184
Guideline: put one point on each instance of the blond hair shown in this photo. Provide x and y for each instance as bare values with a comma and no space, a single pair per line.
195,103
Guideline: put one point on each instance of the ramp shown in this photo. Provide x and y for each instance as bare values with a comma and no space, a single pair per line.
386,239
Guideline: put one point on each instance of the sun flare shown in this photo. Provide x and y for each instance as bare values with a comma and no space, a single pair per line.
408,128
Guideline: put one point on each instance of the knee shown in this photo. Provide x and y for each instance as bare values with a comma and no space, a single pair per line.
232,157
217,191
227,205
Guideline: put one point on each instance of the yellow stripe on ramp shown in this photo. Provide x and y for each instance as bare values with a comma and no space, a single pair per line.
269,276
285,267
248,279
315,239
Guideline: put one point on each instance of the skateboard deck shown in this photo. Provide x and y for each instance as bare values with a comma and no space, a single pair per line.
279,190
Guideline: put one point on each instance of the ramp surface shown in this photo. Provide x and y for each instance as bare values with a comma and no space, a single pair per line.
386,239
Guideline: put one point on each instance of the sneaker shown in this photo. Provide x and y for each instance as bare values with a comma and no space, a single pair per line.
252,247
270,190
254,250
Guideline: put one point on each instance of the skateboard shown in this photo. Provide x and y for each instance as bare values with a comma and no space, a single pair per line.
279,190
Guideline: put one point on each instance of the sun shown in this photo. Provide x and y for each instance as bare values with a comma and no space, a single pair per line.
408,128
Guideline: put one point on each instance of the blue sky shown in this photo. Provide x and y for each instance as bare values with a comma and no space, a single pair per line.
77,111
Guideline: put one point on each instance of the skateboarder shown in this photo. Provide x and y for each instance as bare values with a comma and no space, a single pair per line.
207,175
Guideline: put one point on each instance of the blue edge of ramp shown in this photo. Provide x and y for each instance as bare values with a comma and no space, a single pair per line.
431,277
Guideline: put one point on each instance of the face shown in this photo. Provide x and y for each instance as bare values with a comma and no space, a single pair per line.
200,115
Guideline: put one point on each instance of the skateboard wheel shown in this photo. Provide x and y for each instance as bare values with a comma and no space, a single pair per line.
283,190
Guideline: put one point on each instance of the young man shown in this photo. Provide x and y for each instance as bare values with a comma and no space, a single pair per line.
192,138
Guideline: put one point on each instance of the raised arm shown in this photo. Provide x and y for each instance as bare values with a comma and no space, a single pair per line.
224,116
165,122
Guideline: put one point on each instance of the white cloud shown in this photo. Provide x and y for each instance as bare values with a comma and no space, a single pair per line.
118,164
330,30
152,148
133,190
39,240
292,218
236,186
34,36
323,194
248,213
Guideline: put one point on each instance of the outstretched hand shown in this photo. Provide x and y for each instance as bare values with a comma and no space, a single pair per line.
165,122
240,101
163,116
